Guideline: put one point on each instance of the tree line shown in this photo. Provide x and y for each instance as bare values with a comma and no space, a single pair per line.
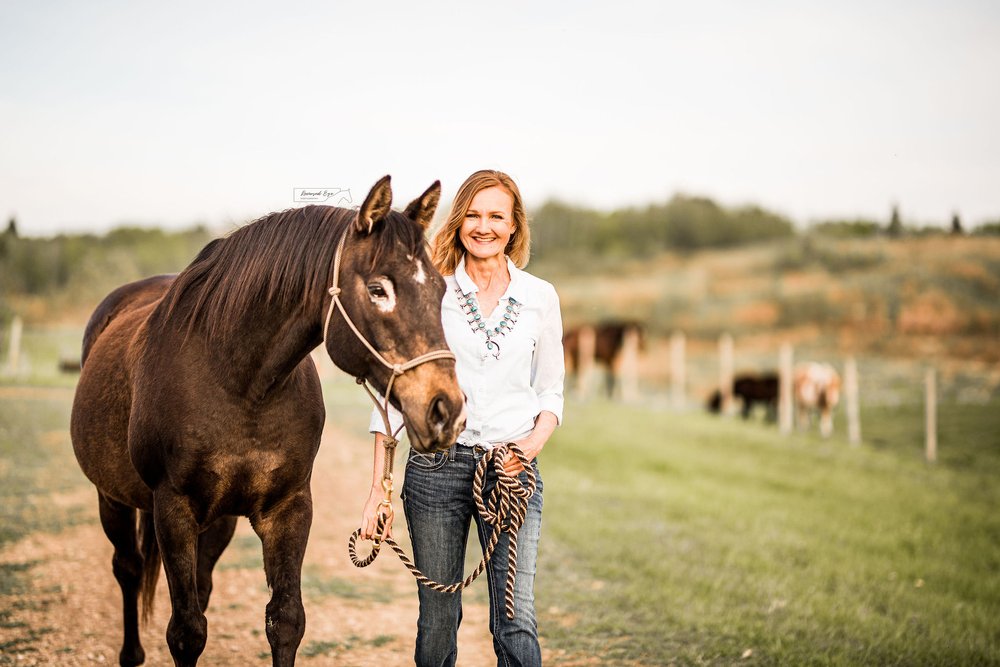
684,223
87,264
82,268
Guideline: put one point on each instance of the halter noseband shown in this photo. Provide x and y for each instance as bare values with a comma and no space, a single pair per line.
397,369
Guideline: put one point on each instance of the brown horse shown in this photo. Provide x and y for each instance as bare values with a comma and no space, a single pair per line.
198,401
609,342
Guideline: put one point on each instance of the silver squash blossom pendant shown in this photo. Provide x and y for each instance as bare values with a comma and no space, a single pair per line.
470,306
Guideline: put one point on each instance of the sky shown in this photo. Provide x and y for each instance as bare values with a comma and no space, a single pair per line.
179,113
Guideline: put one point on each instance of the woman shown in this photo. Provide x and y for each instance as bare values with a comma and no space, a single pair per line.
505,329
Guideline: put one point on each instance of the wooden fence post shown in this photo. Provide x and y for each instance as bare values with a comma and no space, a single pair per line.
629,375
586,344
930,385
677,369
852,403
726,372
785,389
14,351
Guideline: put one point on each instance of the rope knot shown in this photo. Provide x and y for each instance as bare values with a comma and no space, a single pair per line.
334,291
397,369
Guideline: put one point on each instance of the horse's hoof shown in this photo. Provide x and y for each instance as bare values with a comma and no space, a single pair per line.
131,658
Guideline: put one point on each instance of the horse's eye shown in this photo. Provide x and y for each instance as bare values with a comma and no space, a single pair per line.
376,290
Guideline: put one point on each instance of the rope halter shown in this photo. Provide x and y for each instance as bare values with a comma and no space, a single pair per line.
397,369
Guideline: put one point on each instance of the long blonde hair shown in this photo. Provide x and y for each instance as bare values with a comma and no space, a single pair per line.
446,246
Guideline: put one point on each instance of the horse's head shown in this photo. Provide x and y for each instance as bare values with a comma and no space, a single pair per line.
392,292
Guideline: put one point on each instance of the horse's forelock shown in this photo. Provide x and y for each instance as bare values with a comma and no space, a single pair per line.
396,229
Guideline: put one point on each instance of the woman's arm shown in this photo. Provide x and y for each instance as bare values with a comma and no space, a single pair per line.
373,507
548,373
545,424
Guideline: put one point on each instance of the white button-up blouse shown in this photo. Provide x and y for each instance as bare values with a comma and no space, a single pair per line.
505,393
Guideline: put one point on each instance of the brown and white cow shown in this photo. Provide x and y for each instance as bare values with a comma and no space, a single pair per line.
816,387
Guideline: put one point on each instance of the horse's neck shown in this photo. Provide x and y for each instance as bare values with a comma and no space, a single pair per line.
269,346
290,344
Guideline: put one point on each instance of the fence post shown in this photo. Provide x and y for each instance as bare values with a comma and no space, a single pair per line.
630,365
930,385
677,369
852,401
586,344
726,372
14,351
785,389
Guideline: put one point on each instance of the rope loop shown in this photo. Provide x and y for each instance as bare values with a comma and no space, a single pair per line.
504,509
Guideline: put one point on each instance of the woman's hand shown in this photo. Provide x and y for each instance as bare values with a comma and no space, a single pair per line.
545,423
512,465
370,514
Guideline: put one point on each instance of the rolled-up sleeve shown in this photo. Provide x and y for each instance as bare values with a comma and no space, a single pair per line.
377,424
548,369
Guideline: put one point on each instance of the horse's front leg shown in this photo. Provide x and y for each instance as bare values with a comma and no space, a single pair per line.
284,531
211,543
177,533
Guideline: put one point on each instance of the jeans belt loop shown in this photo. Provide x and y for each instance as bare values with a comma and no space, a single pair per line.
451,452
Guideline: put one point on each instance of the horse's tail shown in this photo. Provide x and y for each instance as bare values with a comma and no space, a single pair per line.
150,563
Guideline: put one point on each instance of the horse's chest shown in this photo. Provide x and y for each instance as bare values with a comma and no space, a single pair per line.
238,482
252,468
237,476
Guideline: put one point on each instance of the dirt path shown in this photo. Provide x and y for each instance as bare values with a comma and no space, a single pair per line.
355,617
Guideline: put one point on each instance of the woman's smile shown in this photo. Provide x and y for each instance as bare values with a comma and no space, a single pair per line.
488,224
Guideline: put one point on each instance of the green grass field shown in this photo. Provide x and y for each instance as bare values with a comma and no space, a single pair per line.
686,539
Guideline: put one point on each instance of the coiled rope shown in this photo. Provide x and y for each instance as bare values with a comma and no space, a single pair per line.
504,509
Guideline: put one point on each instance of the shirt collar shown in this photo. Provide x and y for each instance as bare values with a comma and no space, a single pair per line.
515,290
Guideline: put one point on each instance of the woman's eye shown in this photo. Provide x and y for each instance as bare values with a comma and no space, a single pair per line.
376,290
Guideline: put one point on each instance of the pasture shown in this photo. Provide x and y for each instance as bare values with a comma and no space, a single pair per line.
669,538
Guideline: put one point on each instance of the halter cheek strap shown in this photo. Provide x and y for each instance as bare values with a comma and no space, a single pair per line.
397,369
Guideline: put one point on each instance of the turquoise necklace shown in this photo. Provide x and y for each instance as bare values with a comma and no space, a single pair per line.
470,306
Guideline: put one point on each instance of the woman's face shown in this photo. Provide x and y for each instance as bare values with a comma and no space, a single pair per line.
489,223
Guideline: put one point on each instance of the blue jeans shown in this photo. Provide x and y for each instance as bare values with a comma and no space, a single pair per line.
437,500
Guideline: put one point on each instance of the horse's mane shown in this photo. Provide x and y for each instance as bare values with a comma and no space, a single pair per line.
275,259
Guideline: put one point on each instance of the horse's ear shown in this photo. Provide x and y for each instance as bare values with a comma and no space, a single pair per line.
376,206
421,210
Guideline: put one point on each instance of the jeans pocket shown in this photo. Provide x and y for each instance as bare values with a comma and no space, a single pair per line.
433,461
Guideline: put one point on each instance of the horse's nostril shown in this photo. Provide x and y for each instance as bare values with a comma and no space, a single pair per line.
438,414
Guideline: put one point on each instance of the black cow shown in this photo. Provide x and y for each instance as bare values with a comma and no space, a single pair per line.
751,389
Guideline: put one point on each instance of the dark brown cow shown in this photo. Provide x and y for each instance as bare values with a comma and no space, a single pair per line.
752,389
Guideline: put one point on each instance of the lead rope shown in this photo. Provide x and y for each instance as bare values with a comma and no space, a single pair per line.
504,510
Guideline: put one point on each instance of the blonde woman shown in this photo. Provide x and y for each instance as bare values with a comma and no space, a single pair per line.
505,328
